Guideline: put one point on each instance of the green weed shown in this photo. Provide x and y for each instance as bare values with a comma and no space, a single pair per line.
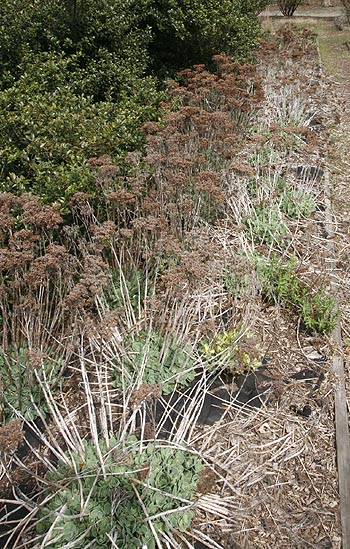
266,225
262,156
237,284
296,204
281,284
237,352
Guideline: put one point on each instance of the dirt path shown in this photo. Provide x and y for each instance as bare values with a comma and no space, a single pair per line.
334,49
336,59
335,54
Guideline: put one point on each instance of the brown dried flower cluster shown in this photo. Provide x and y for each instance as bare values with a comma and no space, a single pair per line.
289,41
49,272
11,436
146,392
179,181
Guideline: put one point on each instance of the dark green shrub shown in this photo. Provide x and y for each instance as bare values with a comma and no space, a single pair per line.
113,39
48,130
74,81
104,36
192,31
74,87
14,38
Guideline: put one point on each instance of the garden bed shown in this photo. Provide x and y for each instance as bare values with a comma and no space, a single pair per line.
178,335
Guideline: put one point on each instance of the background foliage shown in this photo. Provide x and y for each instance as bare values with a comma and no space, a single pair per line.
79,79
192,31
